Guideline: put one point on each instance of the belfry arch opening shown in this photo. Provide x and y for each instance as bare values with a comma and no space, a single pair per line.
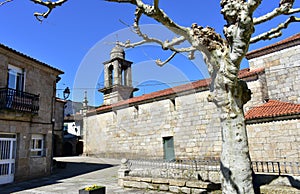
111,75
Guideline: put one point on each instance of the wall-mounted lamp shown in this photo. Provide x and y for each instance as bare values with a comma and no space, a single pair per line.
66,93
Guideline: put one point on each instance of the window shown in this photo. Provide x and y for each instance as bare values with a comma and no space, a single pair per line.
37,145
111,75
15,78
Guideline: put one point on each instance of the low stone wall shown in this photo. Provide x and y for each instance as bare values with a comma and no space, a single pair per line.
171,185
187,177
202,176
184,174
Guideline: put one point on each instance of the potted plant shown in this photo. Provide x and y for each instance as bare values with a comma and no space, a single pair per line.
94,189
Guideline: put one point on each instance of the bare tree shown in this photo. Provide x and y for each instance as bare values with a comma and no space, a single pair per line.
223,57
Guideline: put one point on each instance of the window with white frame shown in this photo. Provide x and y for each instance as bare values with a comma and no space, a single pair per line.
16,78
37,145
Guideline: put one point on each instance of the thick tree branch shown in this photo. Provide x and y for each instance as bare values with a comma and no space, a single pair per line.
200,38
275,32
4,2
253,4
285,8
50,5
157,14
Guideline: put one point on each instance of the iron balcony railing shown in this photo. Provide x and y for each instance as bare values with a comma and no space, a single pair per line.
19,101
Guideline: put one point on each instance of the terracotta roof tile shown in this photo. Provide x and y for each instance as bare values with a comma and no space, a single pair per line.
284,44
245,73
273,108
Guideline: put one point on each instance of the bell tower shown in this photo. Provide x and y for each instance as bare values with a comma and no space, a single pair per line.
117,77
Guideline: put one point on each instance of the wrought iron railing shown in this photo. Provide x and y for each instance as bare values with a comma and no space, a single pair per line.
278,168
259,167
19,101
184,164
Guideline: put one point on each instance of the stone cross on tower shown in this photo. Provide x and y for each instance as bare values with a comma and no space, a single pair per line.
117,77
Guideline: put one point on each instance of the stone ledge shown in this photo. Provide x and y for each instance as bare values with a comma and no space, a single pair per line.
276,189
146,179
202,185
172,185
132,178
160,180
177,182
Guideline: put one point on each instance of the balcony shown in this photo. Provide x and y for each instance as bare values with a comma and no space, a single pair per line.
11,99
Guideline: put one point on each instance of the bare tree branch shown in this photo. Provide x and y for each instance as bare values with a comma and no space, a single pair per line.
4,2
253,4
123,1
275,32
157,14
156,2
166,45
285,8
50,5
162,63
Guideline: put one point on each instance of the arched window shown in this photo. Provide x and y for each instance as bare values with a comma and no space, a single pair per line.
111,75
123,77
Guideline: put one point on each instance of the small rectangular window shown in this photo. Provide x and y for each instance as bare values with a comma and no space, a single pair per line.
37,145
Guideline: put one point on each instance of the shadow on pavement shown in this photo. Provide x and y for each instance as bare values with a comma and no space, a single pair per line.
62,170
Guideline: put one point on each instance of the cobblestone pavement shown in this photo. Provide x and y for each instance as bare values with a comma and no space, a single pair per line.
78,173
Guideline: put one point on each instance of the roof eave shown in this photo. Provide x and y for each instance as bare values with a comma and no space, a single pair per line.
10,50
273,118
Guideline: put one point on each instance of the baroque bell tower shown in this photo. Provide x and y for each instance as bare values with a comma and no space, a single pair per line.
117,78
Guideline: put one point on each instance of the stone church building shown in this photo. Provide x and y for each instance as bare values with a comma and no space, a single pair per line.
179,122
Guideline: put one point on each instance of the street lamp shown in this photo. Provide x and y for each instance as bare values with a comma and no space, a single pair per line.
66,93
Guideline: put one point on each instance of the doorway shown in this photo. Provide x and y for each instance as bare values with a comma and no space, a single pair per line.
7,158
168,144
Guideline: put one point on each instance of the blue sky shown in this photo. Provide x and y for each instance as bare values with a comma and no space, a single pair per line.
78,37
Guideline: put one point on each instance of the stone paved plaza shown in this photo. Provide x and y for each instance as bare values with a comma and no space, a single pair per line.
78,173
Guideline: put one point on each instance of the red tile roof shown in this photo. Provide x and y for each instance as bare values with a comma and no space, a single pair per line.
284,44
273,108
246,73
191,87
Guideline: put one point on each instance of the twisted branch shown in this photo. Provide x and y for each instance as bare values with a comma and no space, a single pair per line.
166,45
275,32
285,8
50,5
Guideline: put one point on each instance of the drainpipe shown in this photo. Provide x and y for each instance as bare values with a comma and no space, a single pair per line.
52,123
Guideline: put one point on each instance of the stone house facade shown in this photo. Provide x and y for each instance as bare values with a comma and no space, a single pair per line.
179,122
28,110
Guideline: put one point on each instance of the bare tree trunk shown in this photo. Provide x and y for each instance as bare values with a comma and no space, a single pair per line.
236,173
230,95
